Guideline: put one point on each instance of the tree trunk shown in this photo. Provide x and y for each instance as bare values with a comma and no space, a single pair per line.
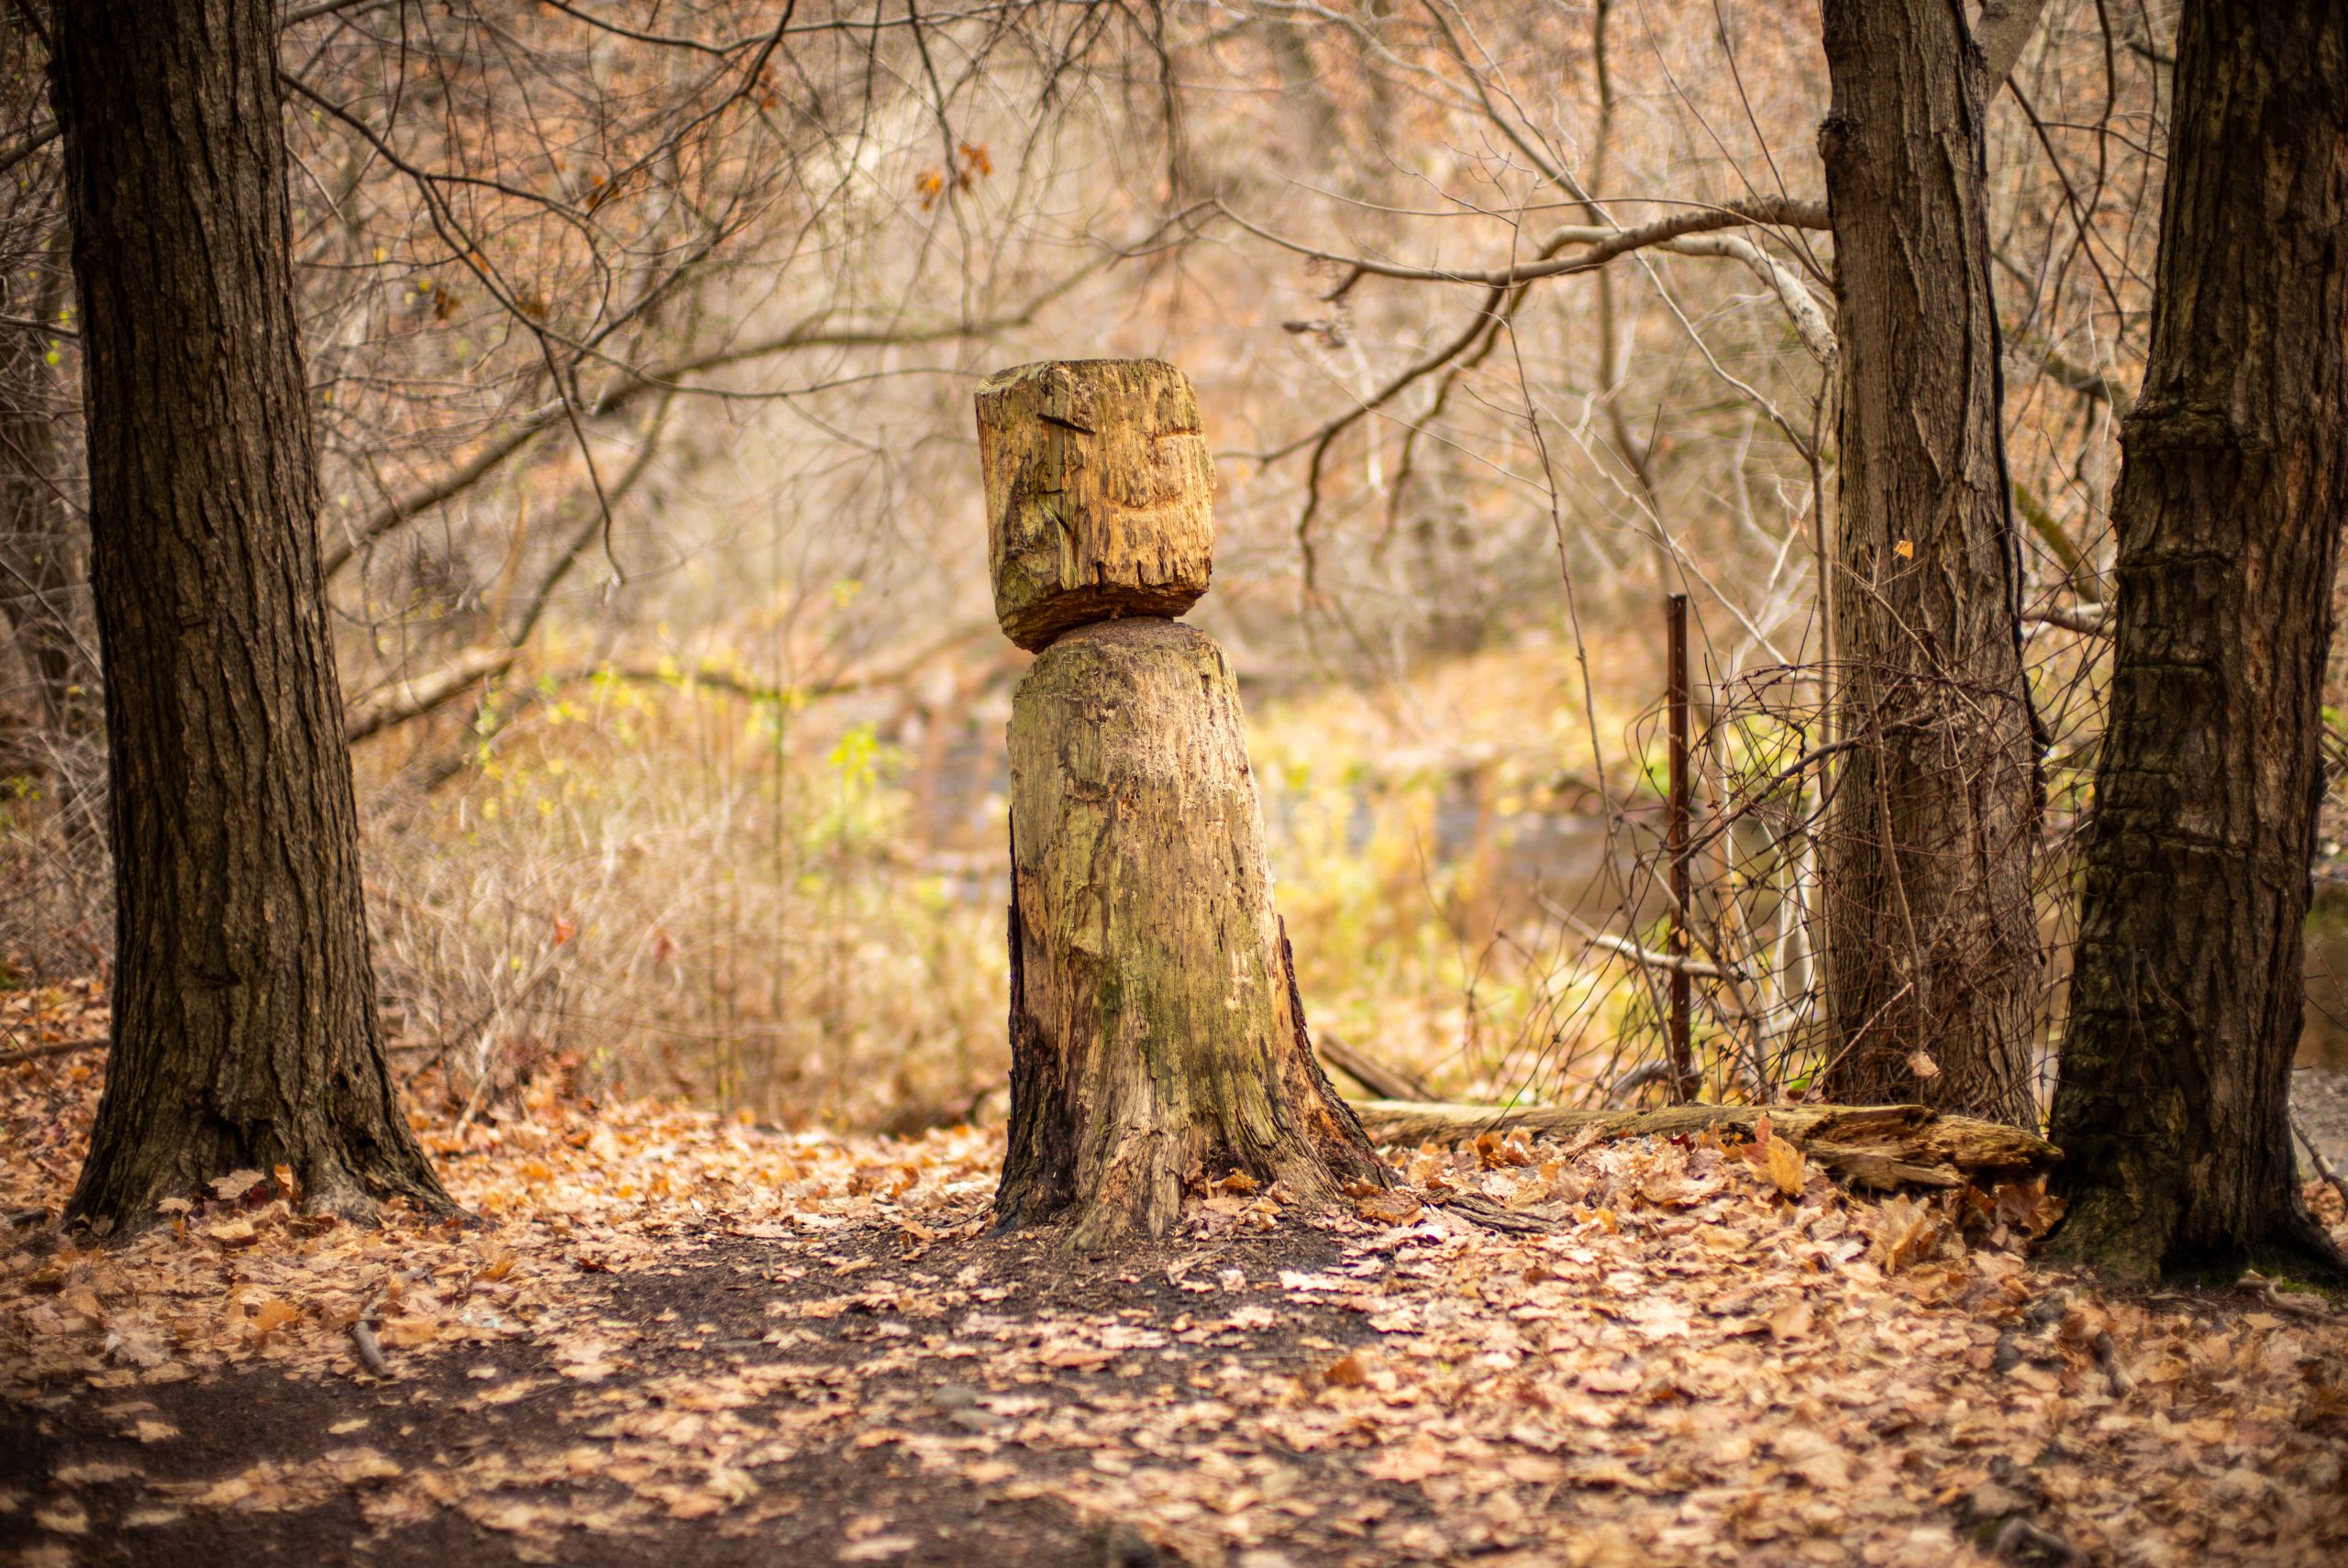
2186,997
1932,952
245,1032
1157,1038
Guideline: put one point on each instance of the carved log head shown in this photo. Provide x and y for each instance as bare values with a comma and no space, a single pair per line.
1099,493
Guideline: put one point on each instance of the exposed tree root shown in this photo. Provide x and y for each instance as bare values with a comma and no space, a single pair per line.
1880,1146
2135,1246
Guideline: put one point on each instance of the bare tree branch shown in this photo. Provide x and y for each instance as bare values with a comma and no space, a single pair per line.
629,387
1604,244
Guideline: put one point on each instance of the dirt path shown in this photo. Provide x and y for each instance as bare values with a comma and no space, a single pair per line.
674,1340
699,1337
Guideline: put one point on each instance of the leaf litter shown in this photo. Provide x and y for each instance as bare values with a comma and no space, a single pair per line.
667,1326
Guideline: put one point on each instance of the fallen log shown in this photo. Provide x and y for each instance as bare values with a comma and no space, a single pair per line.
1365,1070
1872,1145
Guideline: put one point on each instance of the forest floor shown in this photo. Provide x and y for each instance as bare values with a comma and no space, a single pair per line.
664,1335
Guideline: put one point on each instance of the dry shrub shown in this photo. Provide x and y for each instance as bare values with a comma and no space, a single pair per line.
56,879
680,891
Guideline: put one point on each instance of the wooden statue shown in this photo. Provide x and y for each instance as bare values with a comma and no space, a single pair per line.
1157,1038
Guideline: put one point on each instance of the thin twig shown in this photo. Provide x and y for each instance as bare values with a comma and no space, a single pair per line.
2323,1167
57,1048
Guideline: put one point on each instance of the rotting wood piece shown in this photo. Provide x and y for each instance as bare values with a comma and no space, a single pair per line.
1156,1033
1367,1071
1099,495
1880,1146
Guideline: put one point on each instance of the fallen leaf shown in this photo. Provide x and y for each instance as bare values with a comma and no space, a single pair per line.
1414,1461
1906,1229
236,1185
1784,1165
273,1313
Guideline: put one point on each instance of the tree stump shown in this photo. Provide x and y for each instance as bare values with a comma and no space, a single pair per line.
1157,1035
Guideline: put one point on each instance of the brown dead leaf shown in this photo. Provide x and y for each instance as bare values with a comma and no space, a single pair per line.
1906,1229
1784,1165
236,1185
272,1313
1414,1461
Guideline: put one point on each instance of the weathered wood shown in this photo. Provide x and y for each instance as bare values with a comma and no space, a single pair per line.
1873,1145
1099,494
1156,1031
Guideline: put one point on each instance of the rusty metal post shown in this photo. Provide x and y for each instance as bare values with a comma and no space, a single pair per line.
1683,1065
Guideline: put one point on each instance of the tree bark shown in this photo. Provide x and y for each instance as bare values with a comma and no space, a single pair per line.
245,1032
1932,950
1156,1033
2186,997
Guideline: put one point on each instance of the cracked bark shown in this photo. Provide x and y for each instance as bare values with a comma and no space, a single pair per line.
1932,942
2187,999
245,1031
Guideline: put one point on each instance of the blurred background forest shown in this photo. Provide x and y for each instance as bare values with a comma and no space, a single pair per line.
643,339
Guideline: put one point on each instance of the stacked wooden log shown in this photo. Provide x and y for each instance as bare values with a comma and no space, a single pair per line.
1157,1038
